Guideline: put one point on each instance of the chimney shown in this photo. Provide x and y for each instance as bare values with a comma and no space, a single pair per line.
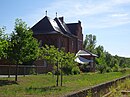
61,19
79,22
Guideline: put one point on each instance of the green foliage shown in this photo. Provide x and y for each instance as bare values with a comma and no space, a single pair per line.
117,91
68,63
49,53
101,63
75,70
101,68
83,67
43,85
123,70
90,42
22,46
108,62
89,94
55,56
49,73
108,69
3,43
115,68
62,62
105,61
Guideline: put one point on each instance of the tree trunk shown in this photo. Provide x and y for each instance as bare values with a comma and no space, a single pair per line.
57,80
61,76
16,72
24,68
36,69
61,79
9,71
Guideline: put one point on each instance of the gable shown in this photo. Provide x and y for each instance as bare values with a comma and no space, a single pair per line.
62,26
56,26
46,26
72,27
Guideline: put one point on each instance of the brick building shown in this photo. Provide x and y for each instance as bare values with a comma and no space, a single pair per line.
52,32
60,34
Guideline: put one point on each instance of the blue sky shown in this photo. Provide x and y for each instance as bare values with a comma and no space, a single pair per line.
109,20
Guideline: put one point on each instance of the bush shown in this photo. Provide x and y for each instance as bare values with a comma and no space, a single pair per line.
57,72
108,69
116,68
75,70
101,68
49,73
66,70
123,70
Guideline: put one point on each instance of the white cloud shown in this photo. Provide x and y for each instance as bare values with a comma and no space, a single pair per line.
105,22
75,8
119,15
105,13
120,1
95,15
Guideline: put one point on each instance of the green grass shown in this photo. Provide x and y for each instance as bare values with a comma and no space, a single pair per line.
44,85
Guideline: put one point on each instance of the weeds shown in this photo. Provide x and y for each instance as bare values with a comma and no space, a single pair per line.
122,86
43,85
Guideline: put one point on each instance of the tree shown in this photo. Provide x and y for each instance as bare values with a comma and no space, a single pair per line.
59,59
105,61
122,62
22,47
51,55
108,59
67,64
101,63
90,42
3,43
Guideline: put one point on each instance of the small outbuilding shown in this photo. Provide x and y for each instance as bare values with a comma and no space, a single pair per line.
86,58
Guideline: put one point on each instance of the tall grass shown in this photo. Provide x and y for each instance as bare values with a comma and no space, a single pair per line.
118,91
44,85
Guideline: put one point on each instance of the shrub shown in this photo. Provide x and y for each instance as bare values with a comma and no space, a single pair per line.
123,70
57,72
116,68
101,68
108,69
75,70
66,70
49,73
